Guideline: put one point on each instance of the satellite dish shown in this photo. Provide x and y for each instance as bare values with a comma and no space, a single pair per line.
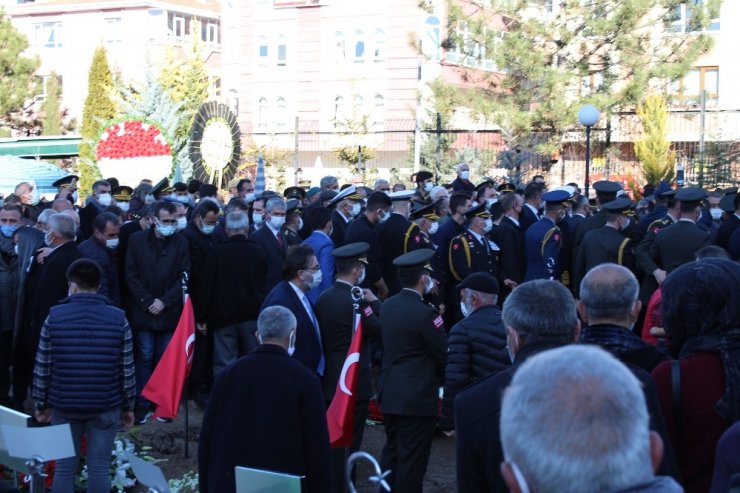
215,145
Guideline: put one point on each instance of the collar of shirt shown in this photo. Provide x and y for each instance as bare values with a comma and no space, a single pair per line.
531,208
579,214
687,220
274,231
477,236
347,283
346,218
736,215
413,291
321,232
673,219
515,221
298,291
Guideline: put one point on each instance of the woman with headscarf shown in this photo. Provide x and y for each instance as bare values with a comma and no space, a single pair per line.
700,394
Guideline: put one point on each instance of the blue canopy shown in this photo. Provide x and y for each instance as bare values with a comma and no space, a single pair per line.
14,170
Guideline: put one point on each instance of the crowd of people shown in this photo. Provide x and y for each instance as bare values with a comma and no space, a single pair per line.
463,286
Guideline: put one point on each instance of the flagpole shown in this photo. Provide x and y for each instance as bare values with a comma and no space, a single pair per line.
185,390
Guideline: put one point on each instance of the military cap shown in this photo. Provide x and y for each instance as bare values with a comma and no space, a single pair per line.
605,186
622,205
122,193
479,210
69,181
293,205
180,187
487,183
427,211
415,260
691,195
569,189
349,193
668,194
161,186
313,191
113,182
328,195
661,189
401,195
352,252
294,192
731,191
422,176
480,281
727,203
506,187
556,197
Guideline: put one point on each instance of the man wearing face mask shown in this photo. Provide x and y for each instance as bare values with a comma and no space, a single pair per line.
122,195
509,236
363,230
318,221
96,203
347,206
476,344
245,190
156,260
10,221
180,193
607,244
543,240
472,251
424,186
395,236
462,183
301,272
335,313
181,214
30,198
272,240
102,248
67,188
293,222
414,351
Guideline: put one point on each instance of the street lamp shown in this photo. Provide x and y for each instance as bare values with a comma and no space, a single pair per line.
588,116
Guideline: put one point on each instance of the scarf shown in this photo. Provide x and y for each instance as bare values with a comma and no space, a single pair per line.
612,338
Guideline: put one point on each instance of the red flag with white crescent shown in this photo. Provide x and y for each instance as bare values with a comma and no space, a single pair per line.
164,387
341,412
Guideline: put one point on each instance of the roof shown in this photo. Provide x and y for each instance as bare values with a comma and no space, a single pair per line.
203,7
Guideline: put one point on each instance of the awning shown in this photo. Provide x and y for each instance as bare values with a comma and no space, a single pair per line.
47,147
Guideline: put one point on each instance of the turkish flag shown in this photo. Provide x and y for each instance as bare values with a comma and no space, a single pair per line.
341,412
164,387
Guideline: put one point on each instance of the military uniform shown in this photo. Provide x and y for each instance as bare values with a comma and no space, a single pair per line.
338,221
677,244
469,254
415,347
645,261
543,243
360,230
393,237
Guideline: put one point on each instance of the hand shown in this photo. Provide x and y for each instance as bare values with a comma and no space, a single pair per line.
202,328
42,253
369,296
659,275
657,331
435,289
43,416
449,434
156,307
510,284
127,418
442,309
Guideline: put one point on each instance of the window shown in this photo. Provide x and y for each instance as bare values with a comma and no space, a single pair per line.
338,109
378,112
262,113
281,114
340,47
358,104
44,81
359,46
48,34
179,27
688,90
263,51
685,18
378,45
431,44
282,51
209,33
113,30
214,86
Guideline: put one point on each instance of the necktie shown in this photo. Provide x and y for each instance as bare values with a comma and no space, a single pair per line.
279,238
309,310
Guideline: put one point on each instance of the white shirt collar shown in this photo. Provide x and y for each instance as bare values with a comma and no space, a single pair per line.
515,221
297,290
531,208
477,236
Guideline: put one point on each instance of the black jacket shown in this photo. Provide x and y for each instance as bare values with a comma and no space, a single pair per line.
725,231
677,244
266,411
154,269
107,259
624,345
339,228
274,253
199,245
599,246
527,218
510,239
336,318
392,236
476,348
52,286
361,230
233,283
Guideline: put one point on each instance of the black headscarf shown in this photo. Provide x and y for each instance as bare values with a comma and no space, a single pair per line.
701,313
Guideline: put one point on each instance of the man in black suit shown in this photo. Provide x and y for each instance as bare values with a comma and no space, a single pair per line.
414,351
606,191
731,222
232,290
96,203
580,212
336,315
362,229
509,236
266,411
532,200
393,236
301,272
346,206
269,237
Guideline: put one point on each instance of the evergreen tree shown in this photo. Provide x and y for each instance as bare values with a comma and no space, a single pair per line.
603,52
99,108
52,122
17,84
653,149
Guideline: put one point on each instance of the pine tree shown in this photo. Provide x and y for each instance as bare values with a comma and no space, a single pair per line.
99,109
52,122
17,83
653,150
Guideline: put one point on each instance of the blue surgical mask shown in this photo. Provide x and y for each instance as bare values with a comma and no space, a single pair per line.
257,217
166,229
208,228
8,230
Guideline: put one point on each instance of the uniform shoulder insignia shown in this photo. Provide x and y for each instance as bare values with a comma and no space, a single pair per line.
438,322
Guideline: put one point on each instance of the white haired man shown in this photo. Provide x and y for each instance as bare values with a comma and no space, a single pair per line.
599,440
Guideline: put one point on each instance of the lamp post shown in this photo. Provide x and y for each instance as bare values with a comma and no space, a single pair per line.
588,116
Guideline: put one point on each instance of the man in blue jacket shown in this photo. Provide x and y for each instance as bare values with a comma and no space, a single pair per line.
84,374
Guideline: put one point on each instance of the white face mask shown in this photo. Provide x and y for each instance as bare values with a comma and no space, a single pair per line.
362,277
104,199
465,175
257,217
464,309
291,344
385,217
277,222
182,223
123,206
166,229
716,214
489,225
249,198
208,228
433,228
75,196
429,285
626,224
112,243
299,226
490,202
315,279
149,199
356,208
17,251
428,186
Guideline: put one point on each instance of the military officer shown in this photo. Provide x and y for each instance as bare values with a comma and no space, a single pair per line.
293,222
607,244
568,235
122,195
472,251
336,315
426,222
676,244
414,352
393,236
606,191
67,188
347,206
543,240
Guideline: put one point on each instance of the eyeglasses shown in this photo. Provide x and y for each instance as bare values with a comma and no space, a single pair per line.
314,269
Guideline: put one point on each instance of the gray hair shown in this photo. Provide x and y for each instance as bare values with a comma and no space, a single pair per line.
236,221
326,182
63,225
459,166
608,292
45,215
436,190
274,203
599,437
73,214
379,182
541,309
276,322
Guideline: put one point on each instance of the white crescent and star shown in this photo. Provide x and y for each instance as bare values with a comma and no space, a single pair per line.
351,360
189,348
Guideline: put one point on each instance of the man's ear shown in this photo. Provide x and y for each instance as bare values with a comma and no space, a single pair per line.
581,307
635,311
656,450
510,478
577,331
512,339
